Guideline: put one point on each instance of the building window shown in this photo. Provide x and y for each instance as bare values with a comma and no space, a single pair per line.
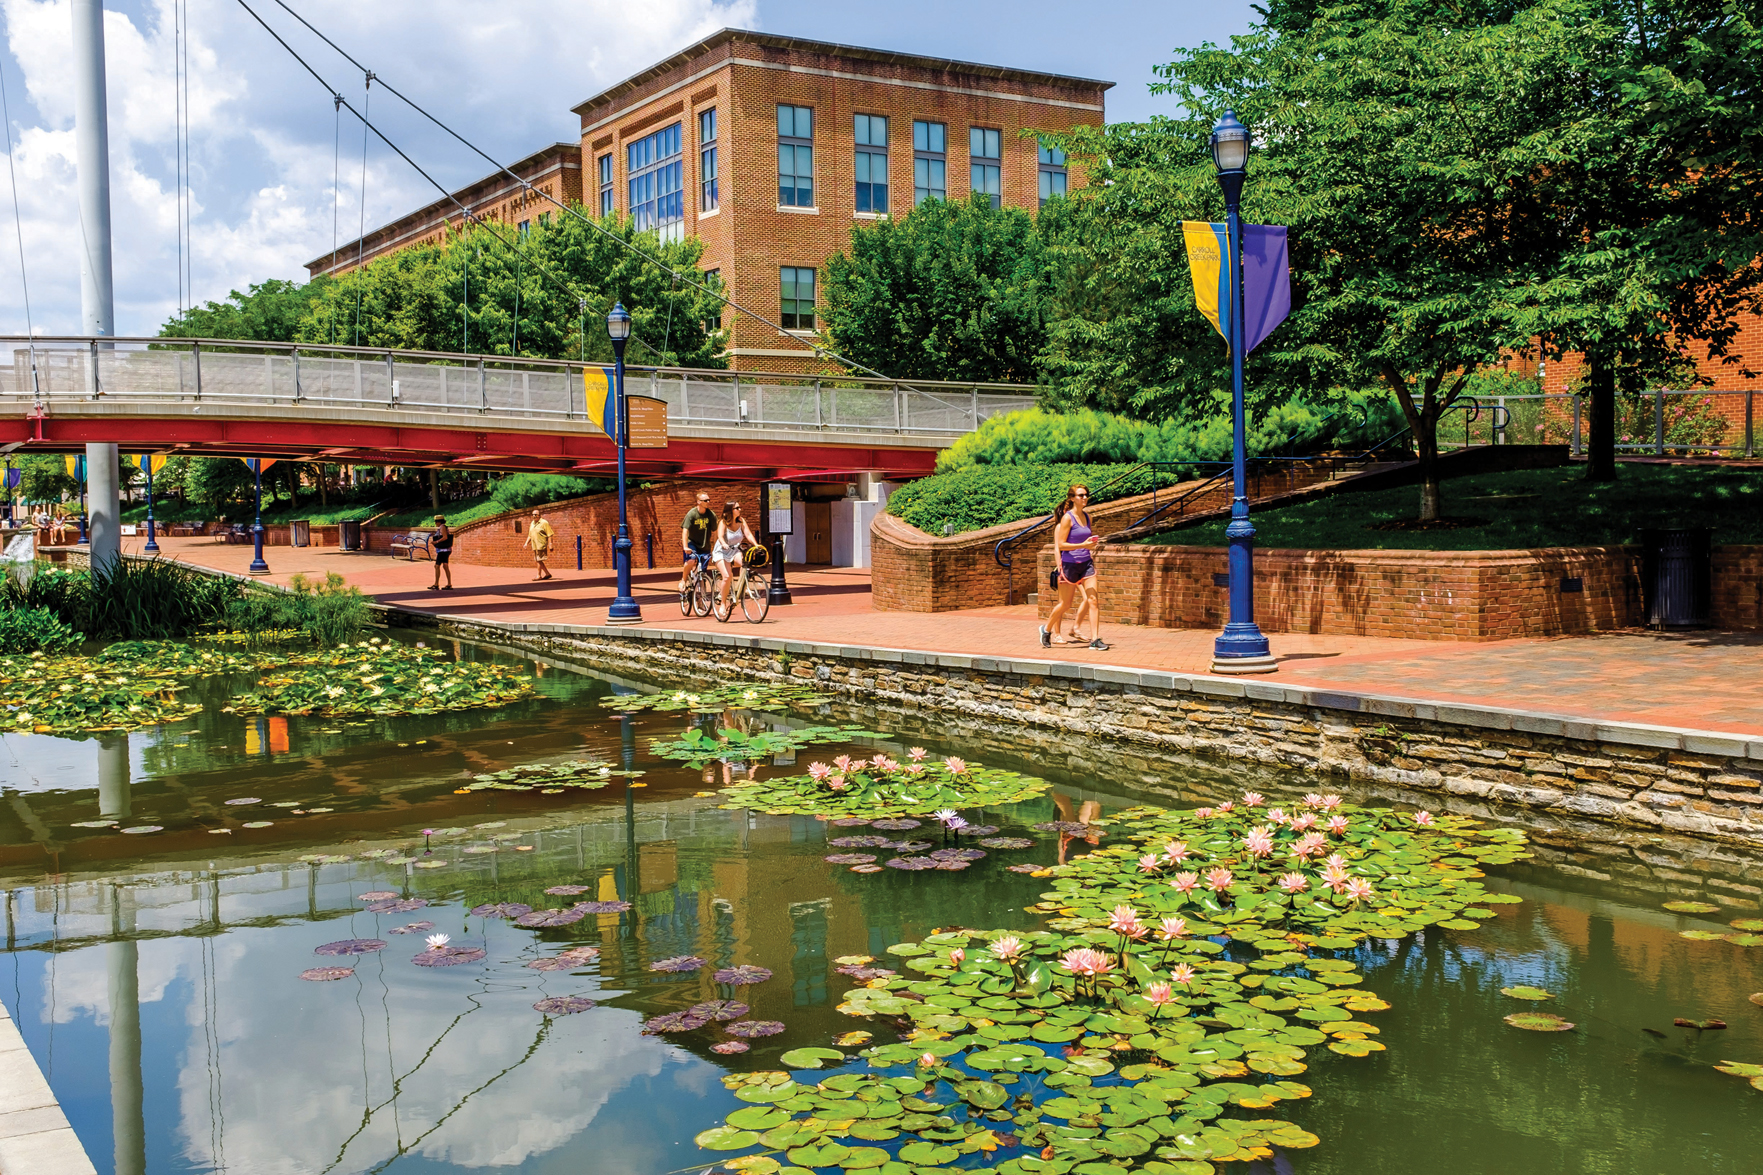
872,163
707,195
656,178
798,298
525,227
1052,173
713,281
606,204
985,147
930,162
795,156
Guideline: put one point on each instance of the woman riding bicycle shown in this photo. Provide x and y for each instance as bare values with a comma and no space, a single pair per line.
732,534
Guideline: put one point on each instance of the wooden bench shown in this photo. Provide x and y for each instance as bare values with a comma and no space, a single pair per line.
410,544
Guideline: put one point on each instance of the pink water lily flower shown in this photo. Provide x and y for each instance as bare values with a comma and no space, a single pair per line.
1183,974
1309,844
915,768
1218,880
1172,928
1335,861
843,762
1336,876
1277,816
1303,822
1337,825
1294,882
1150,864
957,956
1203,813
837,782
1259,842
1226,806
1423,817
955,766
1185,882
917,754
1313,800
1176,851
1160,994
1007,949
1086,962
818,771
1331,801
1125,920
1359,889
1254,799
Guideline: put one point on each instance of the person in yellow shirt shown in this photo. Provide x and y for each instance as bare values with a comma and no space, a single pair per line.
539,534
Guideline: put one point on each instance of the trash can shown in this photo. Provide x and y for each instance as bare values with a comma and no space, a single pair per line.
300,532
1677,577
349,535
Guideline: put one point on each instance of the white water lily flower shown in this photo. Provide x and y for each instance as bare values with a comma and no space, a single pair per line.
437,941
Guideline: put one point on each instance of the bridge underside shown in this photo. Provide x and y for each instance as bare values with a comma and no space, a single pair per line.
762,456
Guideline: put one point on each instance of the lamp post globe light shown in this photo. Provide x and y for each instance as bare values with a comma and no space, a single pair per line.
1241,647
624,608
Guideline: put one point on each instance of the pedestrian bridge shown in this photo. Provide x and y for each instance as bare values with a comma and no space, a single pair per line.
359,405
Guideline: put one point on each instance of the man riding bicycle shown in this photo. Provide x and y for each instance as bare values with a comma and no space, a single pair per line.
697,538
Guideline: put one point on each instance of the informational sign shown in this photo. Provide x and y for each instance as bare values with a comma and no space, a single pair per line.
777,507
648,422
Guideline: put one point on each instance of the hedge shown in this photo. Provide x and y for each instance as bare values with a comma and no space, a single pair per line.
978,496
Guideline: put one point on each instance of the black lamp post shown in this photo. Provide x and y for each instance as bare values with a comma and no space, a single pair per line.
258,566
152,547
624,608
1241,647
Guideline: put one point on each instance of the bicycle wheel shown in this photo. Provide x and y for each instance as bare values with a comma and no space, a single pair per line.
685,596
703,595
755,598
723,609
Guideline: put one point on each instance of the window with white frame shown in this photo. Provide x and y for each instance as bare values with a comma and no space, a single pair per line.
930,162
872,163
985,148
798,297
795,156
656,179
606,197
708,197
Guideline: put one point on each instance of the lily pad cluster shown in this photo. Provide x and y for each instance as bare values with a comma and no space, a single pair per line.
582,774
753,695
1186,972
382,678
697,747
883,786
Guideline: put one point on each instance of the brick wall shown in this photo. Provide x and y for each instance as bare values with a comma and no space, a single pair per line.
1423,595
496,541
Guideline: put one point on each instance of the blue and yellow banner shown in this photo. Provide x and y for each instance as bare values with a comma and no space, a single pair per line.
1267,279
602,405
148,463
259,464
76,467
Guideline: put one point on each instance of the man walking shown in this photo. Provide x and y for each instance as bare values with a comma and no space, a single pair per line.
697,536
538,537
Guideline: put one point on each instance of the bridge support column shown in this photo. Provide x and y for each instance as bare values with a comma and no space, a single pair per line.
103,506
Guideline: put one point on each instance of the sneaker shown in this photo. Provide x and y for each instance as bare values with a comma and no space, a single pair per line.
1046,638
1098,643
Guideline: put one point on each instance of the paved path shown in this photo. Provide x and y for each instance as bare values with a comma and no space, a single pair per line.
1700,681
35,1138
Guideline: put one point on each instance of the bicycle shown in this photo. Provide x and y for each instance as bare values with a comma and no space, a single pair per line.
700,591
751,589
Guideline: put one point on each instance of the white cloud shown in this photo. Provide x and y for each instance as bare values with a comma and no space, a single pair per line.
262,141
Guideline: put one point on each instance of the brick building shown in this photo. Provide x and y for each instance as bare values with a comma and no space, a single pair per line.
556,171
771,148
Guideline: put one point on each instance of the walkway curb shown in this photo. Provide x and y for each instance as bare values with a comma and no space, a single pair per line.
35,1138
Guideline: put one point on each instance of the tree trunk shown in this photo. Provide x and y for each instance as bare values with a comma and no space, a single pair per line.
294,486
435,490
1601,428
323,498
1426,448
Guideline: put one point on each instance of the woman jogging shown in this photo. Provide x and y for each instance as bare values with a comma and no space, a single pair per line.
441,544
732,533
538,537
1076,544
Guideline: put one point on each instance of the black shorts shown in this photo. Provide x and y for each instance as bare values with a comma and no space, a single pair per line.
441,557
1076,572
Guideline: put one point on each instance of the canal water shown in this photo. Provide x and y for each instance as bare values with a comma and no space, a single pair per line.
156,976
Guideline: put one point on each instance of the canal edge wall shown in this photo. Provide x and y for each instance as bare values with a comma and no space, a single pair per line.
35,1138
1697,783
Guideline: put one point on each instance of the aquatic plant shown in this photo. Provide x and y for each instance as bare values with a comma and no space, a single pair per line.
1124,1035
884,787
583,774
563,1005
697,747
756,695
677,963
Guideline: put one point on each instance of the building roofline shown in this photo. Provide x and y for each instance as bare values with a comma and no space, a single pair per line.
773,41
447,200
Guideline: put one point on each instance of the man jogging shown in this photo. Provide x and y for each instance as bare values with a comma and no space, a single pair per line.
696,537
538,537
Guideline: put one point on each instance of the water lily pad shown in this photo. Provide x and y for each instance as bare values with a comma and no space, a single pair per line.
1756,997
1744,940
549,918
138,829
859,842
377,895
412,928
501,910
1025,868
677,963
245,800
852,1039
324,974
743,975
568,890
1704,1025
1538,1022
1751,924
1701,935
351,946
720,1011
726,1138
568,961
730,1046
397,905
612,907
850,858
425,864
447,956
910,863
899,824
93,824
749,1029
563,1005
479,849
1691,907
1527,993
866,869
841,822
811,1058
1007,842
675,1022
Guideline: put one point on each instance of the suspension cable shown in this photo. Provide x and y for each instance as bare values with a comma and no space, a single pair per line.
361,232
17,213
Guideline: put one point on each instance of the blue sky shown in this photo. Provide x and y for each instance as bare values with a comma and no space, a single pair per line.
264,147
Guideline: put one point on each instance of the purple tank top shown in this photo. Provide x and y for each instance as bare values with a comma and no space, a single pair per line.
1079,533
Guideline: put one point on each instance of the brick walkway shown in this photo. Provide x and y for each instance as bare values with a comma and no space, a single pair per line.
1702,681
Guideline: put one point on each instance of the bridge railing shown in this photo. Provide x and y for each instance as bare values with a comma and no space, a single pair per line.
241,375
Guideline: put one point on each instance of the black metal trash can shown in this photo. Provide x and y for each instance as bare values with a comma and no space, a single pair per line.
349,537
1677,577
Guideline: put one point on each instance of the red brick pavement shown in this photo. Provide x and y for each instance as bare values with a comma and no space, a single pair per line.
1701,681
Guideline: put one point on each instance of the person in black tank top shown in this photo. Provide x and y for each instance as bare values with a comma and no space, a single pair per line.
441,544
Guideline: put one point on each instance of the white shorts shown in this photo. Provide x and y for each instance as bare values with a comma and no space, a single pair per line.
732,554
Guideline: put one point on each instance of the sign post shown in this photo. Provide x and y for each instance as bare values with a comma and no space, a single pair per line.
779,521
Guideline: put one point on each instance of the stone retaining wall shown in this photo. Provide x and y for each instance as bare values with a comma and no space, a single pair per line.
1697,783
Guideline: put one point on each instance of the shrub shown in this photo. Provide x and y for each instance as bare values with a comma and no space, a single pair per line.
520,490
32,630
135,600
978,496
327,613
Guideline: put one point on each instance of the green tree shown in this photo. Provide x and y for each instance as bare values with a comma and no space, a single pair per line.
951,290
267,312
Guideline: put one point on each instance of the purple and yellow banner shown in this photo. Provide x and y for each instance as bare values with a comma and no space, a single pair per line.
1267,279
601,404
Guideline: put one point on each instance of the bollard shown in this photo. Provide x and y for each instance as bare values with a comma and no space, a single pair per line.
649,544
578,552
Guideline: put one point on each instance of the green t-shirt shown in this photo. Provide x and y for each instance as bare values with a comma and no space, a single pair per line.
700,528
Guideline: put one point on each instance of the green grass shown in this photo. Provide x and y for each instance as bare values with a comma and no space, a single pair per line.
274,514
457,514
1519,510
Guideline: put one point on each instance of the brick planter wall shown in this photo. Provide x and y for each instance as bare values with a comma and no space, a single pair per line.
496,541
1425,595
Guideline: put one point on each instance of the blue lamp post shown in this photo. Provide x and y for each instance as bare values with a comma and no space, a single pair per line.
258,566
1241,647
624,608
